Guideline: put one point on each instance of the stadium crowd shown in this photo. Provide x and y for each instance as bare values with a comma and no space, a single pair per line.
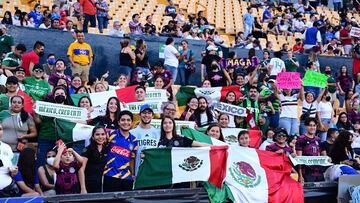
47,166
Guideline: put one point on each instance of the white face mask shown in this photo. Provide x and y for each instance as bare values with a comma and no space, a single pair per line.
269,139
50,161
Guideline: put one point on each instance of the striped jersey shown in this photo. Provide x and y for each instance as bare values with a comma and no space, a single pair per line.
311,107
120,151
289,106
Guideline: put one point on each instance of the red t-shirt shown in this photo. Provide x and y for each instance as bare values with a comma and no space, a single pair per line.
27,59
88,7
345,33
298,48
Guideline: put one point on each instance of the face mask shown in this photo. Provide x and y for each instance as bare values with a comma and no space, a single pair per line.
328,72
269,140
140,76
328,98
41,53
50,161
60,99
51,61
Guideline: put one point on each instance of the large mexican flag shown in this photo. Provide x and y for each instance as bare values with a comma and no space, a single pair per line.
166,166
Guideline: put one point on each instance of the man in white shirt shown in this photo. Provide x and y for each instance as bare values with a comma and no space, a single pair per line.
116,30
147,136
171,56
276,65
310,23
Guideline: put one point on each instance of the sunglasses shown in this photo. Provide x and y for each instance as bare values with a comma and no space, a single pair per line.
281,135
38,71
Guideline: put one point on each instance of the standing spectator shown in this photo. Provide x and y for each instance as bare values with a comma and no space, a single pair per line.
325,115
312,37
171,56
337,5
88,10
276,65
170,10
149,25
291,63
13,59
345,38
110,119
308,145
95,160
80,56
248,22
7,19
322,27
36,86
36,14
345,83
6,41
17,134
119,173
147,136
208,59
356,62
31,58
280,145
289,113
127,57
116,30
326,146
12,85
186,64
47,174
59,73
102,14
135,26
251,102
142,59
46,24
55,12
354,114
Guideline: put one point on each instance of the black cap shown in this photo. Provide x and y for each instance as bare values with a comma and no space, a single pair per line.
20,69
38,67
12,79
280,131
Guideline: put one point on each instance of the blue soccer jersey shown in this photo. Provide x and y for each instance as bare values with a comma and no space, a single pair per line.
121,150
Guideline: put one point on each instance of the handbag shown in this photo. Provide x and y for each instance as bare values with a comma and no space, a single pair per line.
306,114
11,190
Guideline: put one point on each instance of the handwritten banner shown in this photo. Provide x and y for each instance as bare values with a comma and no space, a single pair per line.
237,62
134,107
156,123
314,79
355,32
61,111
311,160
153,94
230,109
288,80
161,51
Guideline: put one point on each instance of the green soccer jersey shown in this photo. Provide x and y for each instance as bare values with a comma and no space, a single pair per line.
6,42
37,89
11,60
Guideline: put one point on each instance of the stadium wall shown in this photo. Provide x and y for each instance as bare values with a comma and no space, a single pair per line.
107,48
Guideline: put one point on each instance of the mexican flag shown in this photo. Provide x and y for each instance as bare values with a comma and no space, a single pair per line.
211,94
125,95
28,101
72,132
166,166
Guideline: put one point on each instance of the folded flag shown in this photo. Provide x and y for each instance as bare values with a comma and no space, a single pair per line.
166,166
231,136
72,132
200,137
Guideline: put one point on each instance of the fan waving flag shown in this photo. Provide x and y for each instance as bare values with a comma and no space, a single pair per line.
72,132
166,166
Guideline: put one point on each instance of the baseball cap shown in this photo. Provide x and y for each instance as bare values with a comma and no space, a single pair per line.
146,107
38,67
279,131
12,79
272,80
20,69
212,48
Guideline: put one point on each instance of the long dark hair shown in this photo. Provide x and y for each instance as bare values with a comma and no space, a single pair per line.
27,166
226,101
107,114
347,125
188,101
208,113
93,146
68,100
221,138
162,132
83,98
341,143
23,114
7,21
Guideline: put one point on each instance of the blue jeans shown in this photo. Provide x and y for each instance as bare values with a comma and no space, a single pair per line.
274,120
89,18
337,6
290,124
184,75
341,100
103,23
43,147
247,30
303,129
173,71
323,135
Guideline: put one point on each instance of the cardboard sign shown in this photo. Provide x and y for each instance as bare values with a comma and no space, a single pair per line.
161,51
315,79
288,80
355,32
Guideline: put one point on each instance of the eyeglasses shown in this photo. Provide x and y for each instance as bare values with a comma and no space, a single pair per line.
38,71
281,135
168,109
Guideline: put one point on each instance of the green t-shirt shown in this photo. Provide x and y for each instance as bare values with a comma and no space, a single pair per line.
4,102
290,66
275,102
331,88
47,129
36,89
6,42
11,60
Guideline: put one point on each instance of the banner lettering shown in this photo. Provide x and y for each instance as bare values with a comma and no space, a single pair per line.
288,80
230,109
237,62
355,32
311,160
314,79
134,107
153,94
61,111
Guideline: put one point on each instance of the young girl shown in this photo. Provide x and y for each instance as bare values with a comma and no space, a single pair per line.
68,171
47,174
244,138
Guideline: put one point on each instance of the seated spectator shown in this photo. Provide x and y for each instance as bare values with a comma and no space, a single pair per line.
272,28
47,174
267,14
16,18
258,31
344,122
7,19
189,112
170,10
36,14
269,135
46,24
244,138
149,25
116,30
169,110
342,152
169,29
55,24
55,12
204,115
25,20
180,17
49,66
298,46
297,24
200,16
13,59
326,146
17,134
27,178
283,27
36,86
12,85
69,168
135,26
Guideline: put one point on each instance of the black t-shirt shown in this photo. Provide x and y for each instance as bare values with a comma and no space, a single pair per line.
152,28
141,63
125,60
176,142
104,121
208,59
271,25
95,164
167,29
326,146
217,79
